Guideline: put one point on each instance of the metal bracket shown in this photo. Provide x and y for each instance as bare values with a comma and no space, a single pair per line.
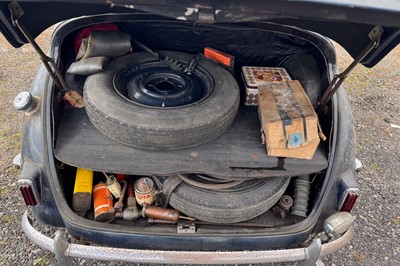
375,37
168,186
206,16
17,161
312,254
185,228
60,247
191,65
16,13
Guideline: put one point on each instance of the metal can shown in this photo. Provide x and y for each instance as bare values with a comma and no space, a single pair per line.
114,186
145,191
103,204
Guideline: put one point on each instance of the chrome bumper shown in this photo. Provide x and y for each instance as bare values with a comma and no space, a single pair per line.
65,251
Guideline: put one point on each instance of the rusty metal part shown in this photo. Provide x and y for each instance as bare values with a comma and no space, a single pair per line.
158,221
279,211
107,43
301,195
163,213
160,213
285,202
88,66
74,98
131,212
145,191
119,205
103,204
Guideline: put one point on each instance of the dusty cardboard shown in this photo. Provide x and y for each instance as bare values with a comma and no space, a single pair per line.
289,124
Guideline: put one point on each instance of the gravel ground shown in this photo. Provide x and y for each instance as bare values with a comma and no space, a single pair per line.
374,95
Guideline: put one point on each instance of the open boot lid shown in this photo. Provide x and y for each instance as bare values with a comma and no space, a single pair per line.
348,22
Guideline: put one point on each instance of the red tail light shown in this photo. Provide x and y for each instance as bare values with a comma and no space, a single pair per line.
27,194
348,192
28,191
349,202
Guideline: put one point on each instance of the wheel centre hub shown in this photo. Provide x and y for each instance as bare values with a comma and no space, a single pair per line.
155,84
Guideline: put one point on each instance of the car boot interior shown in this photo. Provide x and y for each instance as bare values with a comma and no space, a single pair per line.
226,183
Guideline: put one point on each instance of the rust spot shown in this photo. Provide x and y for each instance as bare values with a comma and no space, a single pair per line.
254,156
194,154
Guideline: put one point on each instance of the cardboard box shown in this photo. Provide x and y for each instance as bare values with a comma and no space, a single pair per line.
289,124
254,77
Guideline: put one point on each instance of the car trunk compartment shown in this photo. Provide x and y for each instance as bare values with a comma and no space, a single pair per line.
238,153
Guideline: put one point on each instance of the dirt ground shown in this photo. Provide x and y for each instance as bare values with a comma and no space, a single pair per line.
375,99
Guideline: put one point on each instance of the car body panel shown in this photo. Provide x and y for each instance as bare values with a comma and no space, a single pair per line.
346,22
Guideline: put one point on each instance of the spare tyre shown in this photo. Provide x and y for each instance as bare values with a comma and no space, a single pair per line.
152,104
237,204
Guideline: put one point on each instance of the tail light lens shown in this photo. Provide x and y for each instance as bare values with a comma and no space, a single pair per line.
28,191
349,201
28,183
348,192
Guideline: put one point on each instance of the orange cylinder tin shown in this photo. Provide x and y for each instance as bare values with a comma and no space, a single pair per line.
103,204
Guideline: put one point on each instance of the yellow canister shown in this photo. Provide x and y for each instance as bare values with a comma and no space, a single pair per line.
145,191
82,196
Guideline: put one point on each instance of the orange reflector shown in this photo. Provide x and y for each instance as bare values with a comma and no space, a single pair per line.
220,57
